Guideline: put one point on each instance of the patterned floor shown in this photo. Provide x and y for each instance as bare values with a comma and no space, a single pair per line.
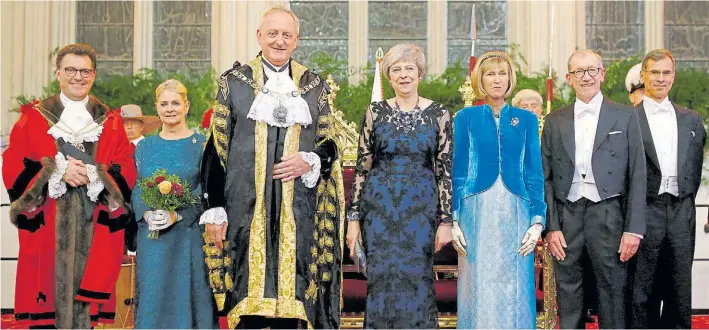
8,322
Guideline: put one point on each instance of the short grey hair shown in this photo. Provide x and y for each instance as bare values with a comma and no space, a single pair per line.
280,9
584,51
526,94
404,52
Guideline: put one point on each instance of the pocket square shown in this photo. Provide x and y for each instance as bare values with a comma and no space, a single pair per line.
615,132
693,134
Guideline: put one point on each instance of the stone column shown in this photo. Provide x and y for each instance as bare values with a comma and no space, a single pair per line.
142,35
358,43
437,45
654,25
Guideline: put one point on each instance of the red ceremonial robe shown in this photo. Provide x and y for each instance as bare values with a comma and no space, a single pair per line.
69,260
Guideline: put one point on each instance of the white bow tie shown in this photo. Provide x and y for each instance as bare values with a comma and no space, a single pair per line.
664,107
582,110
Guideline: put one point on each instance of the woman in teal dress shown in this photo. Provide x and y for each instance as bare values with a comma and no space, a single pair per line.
498,202
172,289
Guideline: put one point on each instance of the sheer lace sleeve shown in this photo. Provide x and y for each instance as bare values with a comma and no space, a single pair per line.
443,167
365,158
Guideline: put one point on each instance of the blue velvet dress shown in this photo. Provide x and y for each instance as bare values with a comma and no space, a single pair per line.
401,191
172,289
498,193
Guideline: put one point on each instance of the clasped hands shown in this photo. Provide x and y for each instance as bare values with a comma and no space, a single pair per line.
75,174
628,245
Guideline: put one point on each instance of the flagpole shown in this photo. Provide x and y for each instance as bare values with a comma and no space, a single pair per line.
473,38
550,80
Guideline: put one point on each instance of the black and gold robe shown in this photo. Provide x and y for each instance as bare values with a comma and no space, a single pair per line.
284,239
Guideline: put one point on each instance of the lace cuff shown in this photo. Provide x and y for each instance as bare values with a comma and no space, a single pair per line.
213,216
353,215
57,186
95,186
310,179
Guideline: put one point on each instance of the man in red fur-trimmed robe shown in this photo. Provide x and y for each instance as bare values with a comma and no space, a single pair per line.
70,212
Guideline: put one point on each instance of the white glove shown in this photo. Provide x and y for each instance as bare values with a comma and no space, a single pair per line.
529,242
458,239
161,219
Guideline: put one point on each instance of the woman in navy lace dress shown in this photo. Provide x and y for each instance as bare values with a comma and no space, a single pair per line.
401,197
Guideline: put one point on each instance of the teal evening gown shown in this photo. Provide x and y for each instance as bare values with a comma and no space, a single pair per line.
172,288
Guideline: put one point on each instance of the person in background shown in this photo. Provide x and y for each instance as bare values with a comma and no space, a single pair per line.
530,100
634,85
135,124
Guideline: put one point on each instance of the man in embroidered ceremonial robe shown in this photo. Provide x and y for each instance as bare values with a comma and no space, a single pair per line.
270,168
69,170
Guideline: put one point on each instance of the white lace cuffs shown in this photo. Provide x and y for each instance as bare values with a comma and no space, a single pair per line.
95,186
213,216
310,179
57,186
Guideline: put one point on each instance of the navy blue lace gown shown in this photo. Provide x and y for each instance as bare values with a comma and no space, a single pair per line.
401,192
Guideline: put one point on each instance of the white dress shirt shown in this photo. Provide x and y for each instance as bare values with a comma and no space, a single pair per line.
585,123
136,140
662,120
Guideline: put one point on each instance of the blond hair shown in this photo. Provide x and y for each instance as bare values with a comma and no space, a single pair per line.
280,9
485,63
172,85
404,52
657,55
526,94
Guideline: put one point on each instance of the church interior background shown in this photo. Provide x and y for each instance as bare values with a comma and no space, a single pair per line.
192,36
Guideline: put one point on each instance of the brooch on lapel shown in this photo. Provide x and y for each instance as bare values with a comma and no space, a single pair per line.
693,134
514,121
194,141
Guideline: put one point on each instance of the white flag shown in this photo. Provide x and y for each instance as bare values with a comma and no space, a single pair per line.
377,91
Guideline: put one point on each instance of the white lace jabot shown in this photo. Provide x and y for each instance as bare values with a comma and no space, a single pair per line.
279,103
75,124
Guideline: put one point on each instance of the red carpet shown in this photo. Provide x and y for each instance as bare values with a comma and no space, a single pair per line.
8,322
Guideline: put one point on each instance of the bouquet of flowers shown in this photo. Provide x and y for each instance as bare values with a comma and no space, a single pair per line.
162,191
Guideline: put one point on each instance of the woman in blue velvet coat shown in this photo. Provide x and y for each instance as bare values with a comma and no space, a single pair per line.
498,202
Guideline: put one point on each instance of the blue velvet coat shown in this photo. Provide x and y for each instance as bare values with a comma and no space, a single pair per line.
479,156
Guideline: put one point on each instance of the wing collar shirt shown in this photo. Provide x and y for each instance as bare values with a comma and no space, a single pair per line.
585,123
662,120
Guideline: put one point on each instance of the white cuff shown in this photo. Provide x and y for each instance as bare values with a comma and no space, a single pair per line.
213,216
537,220
95,186
310,179
57,186
634,234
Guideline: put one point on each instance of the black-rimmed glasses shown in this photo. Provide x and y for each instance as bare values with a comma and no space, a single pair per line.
71,72
592,72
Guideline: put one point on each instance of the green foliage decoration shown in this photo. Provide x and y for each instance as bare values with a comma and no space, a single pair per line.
117,90
691,87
